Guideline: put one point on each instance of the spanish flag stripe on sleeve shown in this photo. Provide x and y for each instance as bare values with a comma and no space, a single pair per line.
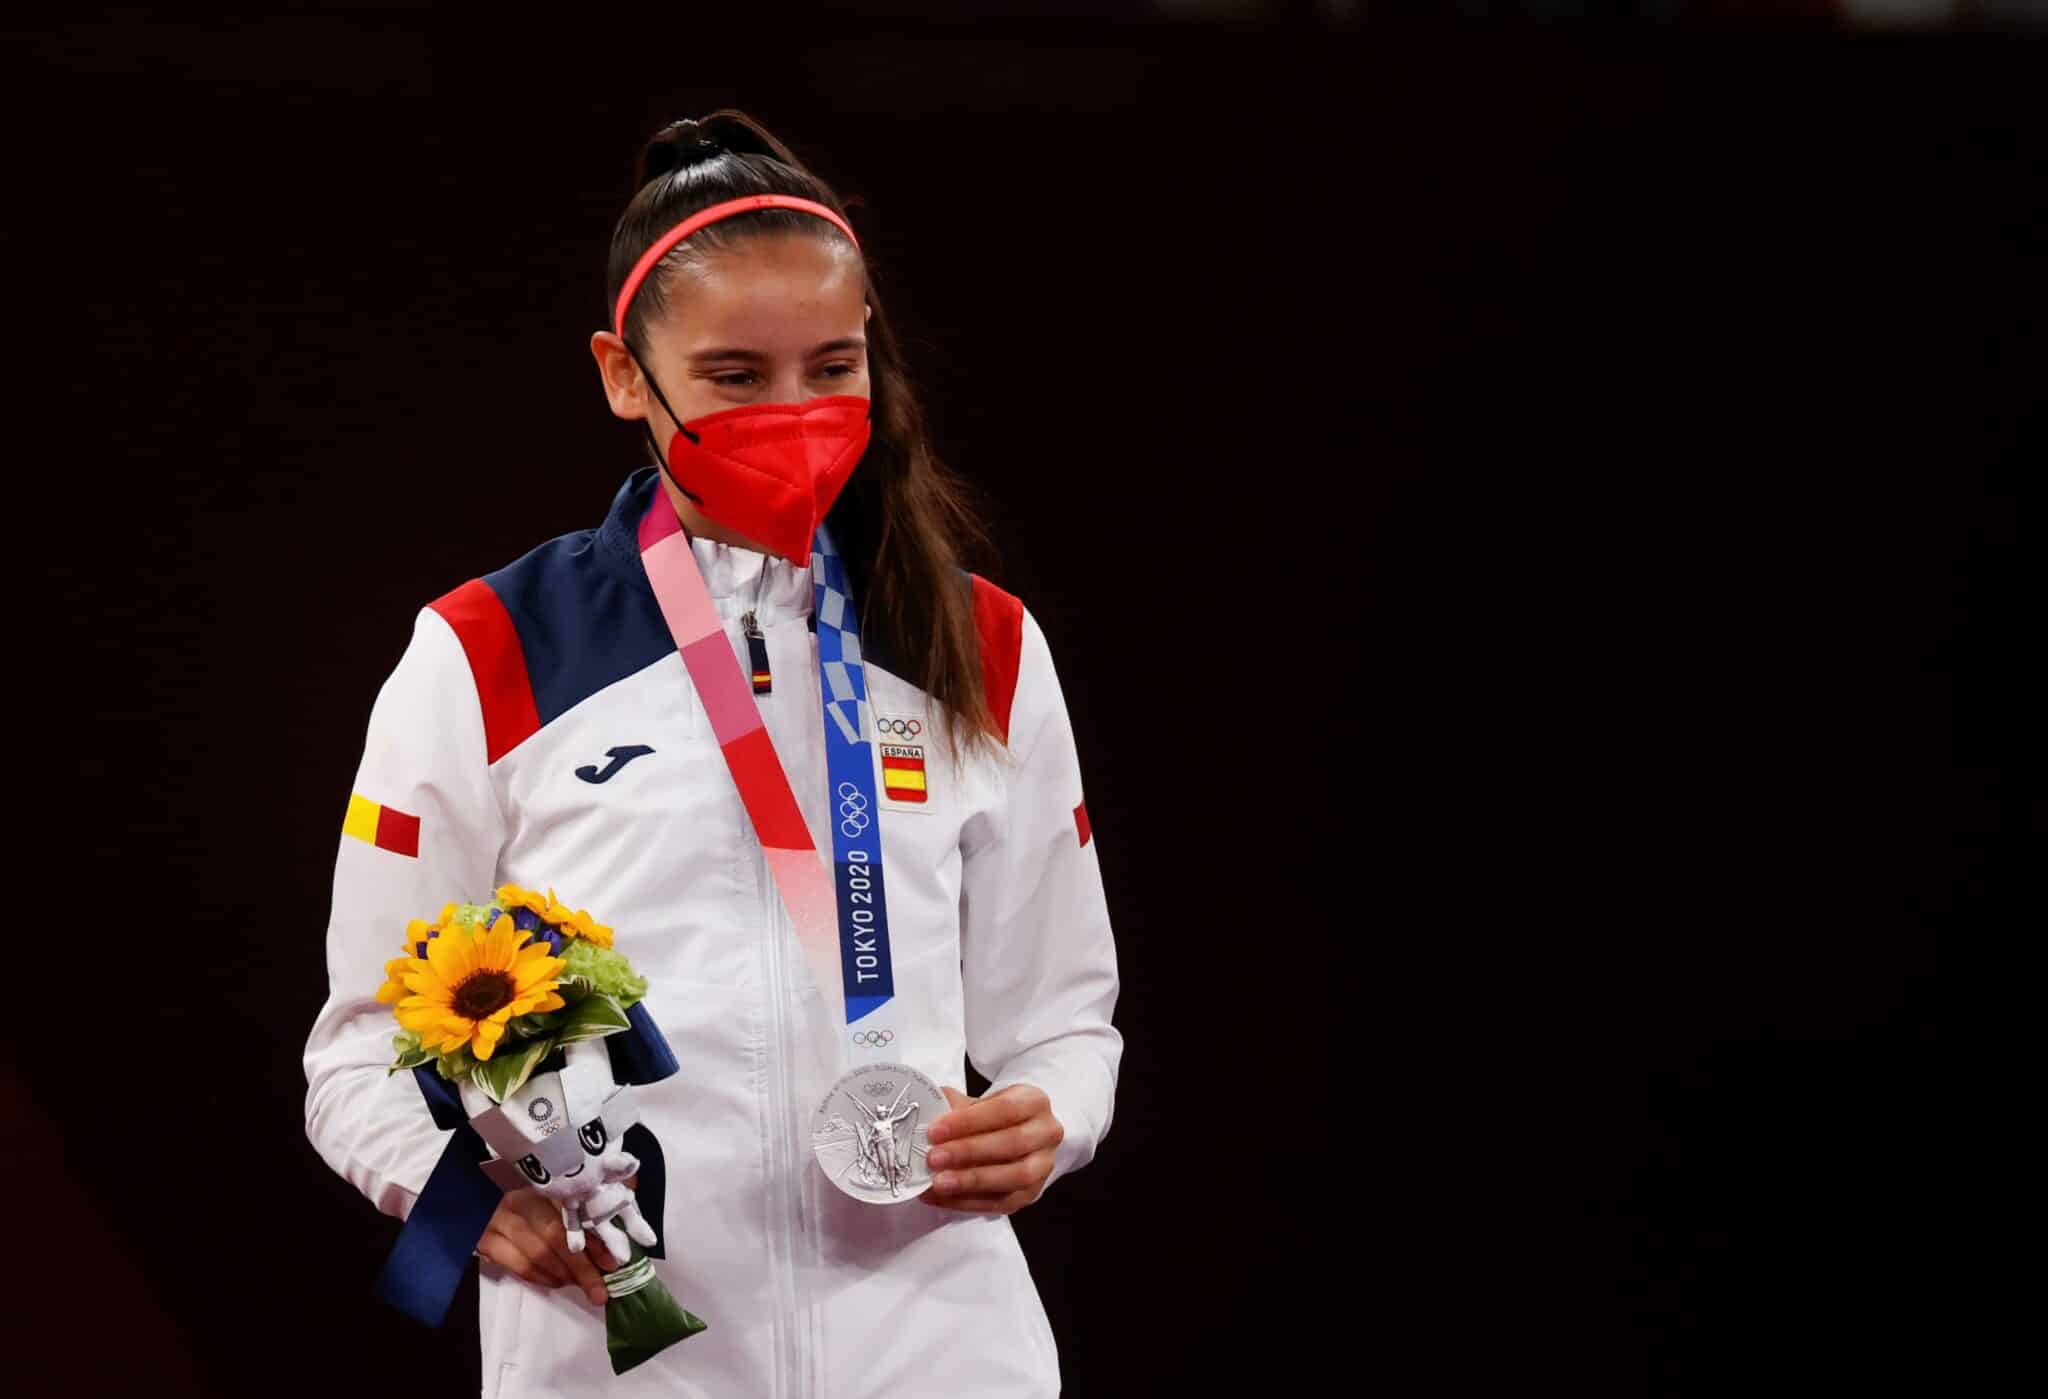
361,821
398,832
385,827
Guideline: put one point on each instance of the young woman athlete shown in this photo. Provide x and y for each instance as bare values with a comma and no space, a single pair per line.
563,723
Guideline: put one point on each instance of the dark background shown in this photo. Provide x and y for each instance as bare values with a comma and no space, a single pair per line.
1525,513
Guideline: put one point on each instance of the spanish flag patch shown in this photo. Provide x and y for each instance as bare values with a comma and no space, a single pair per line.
903,772
385,827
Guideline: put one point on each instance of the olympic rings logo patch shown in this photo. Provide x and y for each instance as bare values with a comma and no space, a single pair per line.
902,728
873,1039
853,810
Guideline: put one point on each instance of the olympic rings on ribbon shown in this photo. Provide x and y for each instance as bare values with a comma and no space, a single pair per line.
873,1039
904,728
853,810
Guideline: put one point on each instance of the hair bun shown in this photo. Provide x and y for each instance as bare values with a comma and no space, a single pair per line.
678,146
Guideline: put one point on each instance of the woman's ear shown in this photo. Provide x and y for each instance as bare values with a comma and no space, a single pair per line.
624,389
869,314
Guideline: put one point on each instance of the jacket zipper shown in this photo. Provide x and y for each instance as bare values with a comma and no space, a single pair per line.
792,1374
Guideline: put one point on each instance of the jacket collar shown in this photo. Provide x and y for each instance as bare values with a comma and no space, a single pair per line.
739,580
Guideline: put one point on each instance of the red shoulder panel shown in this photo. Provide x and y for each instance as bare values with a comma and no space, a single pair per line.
498,663
999,617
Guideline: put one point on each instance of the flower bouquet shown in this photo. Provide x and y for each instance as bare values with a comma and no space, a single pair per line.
509,1002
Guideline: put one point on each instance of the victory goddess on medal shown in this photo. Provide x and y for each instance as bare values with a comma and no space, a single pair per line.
870,1133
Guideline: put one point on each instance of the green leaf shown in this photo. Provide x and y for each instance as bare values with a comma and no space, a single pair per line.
593,1018
534,1025
411,1056
457,1066
411,1053
503,1074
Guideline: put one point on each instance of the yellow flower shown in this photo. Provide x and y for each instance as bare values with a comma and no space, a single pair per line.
393,988
511,896
574,922
471,983
580,924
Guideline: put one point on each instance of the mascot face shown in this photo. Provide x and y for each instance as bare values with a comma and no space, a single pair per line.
546,1134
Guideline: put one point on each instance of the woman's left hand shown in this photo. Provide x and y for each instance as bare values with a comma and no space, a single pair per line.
993,1155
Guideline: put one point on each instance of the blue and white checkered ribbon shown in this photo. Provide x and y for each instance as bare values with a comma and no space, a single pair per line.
850,804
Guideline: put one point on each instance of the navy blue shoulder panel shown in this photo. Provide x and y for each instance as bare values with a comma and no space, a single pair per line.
583,609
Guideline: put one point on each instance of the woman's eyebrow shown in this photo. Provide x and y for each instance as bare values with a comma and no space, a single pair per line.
849,342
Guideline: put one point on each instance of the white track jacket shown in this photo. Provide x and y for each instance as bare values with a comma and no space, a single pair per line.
478,771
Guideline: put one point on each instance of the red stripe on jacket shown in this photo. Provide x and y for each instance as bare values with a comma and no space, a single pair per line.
497,662
999,618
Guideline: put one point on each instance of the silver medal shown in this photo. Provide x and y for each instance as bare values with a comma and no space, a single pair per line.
871,1132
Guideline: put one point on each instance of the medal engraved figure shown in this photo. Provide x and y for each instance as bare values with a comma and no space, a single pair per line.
884,1157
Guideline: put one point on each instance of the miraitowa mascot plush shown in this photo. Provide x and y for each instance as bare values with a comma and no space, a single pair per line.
562,1134
571,1132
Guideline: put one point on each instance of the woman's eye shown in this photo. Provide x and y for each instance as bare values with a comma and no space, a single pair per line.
737,379
837,371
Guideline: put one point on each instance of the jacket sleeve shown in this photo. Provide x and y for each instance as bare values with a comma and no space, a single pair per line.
424,760
1038,965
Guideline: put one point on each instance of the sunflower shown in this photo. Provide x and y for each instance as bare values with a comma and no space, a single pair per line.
471,982
580,924
511,896
418,932
573,922
394,989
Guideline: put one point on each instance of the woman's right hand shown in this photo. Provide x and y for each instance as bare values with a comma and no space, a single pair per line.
525,1237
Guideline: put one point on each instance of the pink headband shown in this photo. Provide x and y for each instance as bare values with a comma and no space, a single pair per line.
707,216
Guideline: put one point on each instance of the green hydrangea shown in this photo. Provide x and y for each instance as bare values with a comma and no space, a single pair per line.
474,916
605,972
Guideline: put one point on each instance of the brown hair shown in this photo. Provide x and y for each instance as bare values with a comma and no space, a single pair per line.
904,524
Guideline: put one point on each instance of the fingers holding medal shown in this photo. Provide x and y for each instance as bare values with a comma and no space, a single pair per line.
993,1155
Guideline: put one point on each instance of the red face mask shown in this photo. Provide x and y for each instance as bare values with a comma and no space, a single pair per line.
772,470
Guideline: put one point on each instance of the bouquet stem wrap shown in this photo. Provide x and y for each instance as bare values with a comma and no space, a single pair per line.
642,1318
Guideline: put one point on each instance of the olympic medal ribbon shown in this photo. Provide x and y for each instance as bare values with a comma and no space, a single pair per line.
865,965
757,771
